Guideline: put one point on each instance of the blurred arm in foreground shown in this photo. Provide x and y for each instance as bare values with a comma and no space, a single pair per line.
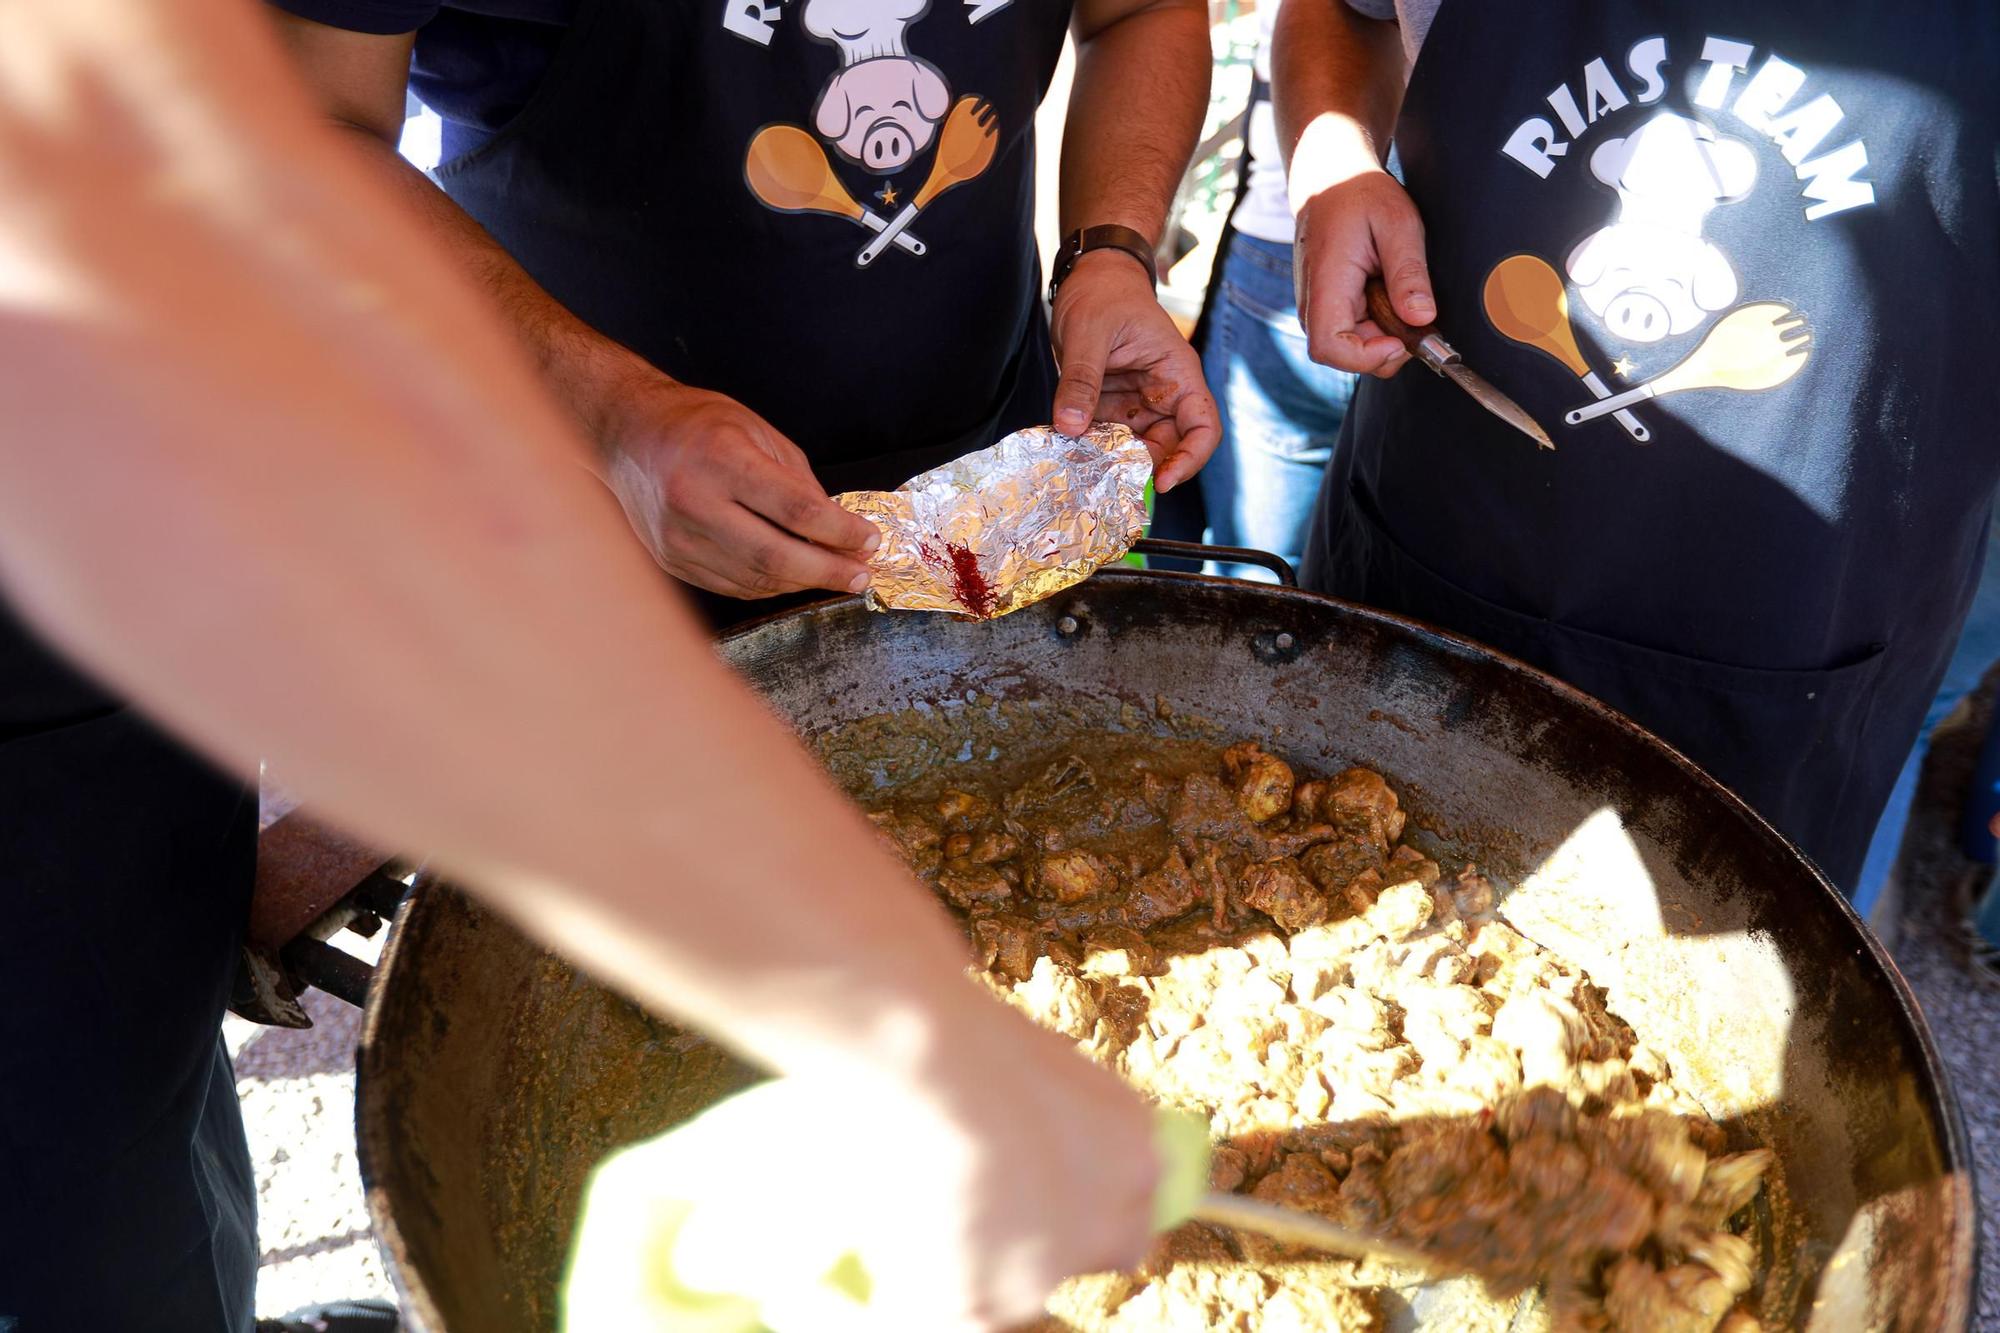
272,470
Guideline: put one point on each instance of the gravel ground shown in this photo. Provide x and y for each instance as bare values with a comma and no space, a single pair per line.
298,1087
1964,1012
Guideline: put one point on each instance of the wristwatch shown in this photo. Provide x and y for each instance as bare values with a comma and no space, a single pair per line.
1110,236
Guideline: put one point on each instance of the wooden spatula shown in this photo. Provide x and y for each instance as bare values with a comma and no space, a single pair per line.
1307,1230
1527,302
1756,346
788,171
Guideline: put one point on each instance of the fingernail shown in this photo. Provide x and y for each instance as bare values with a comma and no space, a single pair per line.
1421,305
874,542
859,583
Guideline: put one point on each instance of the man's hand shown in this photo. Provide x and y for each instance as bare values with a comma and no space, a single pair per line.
1020,1164
1123,360
1348,233
722,500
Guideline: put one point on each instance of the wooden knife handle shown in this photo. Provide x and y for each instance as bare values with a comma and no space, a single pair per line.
1385,316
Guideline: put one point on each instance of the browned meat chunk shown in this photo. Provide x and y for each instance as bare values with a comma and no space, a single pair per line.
1167,891
970,887
993,846
1064,778
1281,891
1069,877
1301,1181
1291,842
1359,800
1474,893
1654,1147
1308,800
1732,1258
1547,1167
1334,865
1204,808
1228,1168
1408,863
1729,1185
1688,1298
962,812
1189,1243
1006,944
916,840
1214,870
1263,781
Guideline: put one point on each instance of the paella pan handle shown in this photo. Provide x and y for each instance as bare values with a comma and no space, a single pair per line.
1221,555
312,882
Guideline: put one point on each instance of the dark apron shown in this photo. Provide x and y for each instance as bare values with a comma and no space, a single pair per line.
126,1194
626,189
1773,581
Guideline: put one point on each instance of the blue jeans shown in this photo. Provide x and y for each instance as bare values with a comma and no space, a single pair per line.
1978,649
1280,410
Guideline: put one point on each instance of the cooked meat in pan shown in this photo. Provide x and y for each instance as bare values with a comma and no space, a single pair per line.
1368,1035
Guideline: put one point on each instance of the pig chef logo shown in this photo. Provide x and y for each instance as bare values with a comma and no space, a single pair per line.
881,111
883,106
1650,274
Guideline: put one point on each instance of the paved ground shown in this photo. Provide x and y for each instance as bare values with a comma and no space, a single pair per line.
298,1087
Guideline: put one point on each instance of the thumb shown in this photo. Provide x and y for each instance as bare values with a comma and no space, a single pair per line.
1082,381
1399,242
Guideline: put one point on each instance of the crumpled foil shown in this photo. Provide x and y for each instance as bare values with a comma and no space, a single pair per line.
1002,528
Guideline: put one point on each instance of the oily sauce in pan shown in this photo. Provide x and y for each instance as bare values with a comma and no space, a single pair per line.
1369,1037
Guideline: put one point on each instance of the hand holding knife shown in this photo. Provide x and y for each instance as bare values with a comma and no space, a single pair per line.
1428,346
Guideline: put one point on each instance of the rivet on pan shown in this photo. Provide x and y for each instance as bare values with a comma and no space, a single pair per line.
1284,641
1067,626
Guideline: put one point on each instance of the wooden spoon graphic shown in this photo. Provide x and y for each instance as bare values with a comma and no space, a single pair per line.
1756,346
1527,302
965,148
788,171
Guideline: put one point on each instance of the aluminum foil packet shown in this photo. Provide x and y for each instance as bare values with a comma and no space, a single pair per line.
1003,528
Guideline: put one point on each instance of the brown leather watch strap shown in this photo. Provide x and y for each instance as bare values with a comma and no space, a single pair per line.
1109,236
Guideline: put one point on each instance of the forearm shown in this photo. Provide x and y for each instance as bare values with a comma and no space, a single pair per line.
334,522
1337,87
1135,115
588,372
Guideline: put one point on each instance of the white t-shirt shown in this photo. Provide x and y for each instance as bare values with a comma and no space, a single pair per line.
1265,212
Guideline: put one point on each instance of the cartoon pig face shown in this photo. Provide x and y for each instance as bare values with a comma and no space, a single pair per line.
881,113
1649,282
1650,275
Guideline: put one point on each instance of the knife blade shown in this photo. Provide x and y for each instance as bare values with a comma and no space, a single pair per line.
1428,346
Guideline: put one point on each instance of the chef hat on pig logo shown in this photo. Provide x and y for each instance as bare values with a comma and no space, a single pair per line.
1649,273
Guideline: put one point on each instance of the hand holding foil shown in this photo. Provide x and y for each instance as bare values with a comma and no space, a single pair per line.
1002,528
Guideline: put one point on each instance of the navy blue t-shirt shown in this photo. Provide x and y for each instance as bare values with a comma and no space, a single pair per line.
477,62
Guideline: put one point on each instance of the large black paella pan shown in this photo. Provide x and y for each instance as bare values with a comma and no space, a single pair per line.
492,1076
